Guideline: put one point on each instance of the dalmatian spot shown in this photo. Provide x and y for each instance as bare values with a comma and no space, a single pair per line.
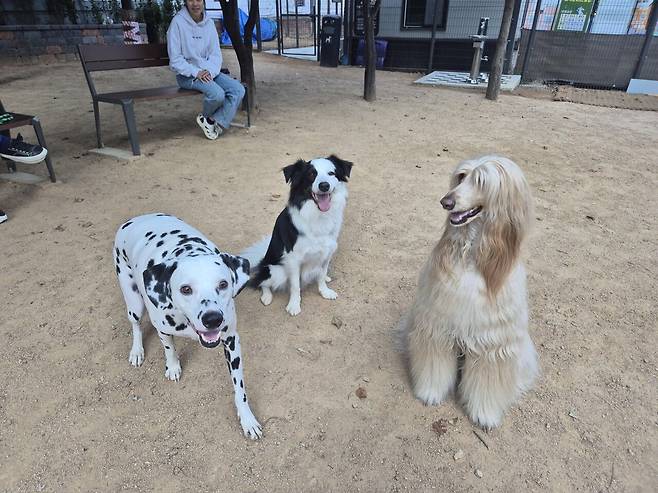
181,327
163,235
174,232
148,234
170,320
118,270
230,342
235,364
164,254
159,244
134,287
156,281
126,225
134,315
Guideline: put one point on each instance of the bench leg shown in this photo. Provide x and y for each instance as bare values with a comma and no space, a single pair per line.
129,115
97,118
246,95
42,142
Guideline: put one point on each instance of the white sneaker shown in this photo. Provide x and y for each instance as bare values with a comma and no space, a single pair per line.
218,129
209,129
3,217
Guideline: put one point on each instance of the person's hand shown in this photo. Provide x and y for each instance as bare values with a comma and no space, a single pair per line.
204,76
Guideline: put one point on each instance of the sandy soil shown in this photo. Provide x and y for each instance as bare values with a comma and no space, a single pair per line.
74,416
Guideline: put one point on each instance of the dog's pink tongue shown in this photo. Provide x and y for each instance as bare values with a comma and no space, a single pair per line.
324,202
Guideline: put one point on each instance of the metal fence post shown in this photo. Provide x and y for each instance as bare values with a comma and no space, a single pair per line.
512,36
648,37
531,39
435,20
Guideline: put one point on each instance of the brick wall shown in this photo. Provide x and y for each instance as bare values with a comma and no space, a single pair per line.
50,43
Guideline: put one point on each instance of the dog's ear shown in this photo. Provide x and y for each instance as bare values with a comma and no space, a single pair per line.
239,271
156,282
293,172
343,168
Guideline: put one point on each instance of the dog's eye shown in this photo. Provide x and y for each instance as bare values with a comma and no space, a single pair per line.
331,173
460,177
222,285
186,290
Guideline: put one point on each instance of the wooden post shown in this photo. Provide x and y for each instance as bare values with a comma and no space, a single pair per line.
499,57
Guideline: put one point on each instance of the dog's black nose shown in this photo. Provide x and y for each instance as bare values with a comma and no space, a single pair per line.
324,186
212,320
448,203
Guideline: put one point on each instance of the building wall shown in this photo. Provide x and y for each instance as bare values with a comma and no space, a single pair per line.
39,44
462,20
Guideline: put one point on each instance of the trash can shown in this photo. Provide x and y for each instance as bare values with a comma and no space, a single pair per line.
330,41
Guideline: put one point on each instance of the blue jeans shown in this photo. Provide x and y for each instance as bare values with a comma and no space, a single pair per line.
222,96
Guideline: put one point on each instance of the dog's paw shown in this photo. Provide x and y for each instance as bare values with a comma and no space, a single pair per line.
294,308
136,357
486,420
430,396
266,297
250,426
173,372
328,294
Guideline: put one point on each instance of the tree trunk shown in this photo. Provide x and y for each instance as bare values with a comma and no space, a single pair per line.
243,47
493,88
127,10
370,51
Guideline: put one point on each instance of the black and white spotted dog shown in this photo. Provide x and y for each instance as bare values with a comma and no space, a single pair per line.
305,234
187,286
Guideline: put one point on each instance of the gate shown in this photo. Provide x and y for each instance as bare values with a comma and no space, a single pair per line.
299,25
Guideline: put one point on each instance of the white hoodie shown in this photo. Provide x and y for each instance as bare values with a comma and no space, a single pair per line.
193,46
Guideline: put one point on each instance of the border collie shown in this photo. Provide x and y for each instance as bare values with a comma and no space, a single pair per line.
305,234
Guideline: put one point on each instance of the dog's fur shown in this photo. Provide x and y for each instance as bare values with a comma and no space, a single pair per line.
471,303
305,234
187,286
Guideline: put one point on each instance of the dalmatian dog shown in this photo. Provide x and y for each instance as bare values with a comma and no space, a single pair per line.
187,286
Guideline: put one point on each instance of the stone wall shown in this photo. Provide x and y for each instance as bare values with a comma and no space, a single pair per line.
50,43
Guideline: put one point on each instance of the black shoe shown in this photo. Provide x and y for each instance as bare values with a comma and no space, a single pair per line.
3,217
21,152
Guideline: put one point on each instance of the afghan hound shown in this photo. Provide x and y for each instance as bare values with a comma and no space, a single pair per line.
470,315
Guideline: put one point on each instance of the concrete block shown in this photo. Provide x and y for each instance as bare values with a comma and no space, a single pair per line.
115,153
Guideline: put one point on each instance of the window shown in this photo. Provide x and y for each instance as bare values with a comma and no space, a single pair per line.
420,13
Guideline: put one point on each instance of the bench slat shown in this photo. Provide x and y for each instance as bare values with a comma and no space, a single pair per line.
146,94
104,57
121,64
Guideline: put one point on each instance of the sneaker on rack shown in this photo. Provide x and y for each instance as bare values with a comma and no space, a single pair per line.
20,151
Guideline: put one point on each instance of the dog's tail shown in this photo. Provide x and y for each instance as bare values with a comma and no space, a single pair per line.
256,252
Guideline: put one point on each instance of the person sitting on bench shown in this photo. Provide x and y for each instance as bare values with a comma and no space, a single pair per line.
19,151
195,56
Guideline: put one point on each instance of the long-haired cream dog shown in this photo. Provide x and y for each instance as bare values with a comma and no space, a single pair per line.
471,303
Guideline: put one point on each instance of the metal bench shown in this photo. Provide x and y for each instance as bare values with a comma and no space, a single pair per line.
96,58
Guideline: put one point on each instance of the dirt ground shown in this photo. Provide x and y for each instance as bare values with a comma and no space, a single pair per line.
75,416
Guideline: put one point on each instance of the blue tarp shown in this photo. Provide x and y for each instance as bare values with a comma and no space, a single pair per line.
267,29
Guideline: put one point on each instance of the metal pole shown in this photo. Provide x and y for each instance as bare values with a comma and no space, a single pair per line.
648,37
435,20
296,25
531,39
512,37
595,8
279,25
259,38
